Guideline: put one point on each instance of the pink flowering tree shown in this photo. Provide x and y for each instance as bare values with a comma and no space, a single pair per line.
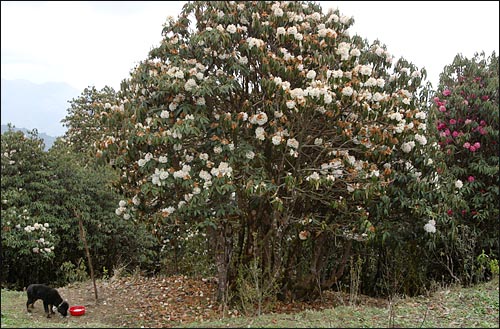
467,106
272,130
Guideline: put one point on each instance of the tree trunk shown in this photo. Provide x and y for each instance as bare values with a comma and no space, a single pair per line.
224,250
340,270
89,259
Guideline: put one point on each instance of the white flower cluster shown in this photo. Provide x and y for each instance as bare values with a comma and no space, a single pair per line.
280,31
231,28
421,115
313,176
122,210
406,95
167,211
334,74
36,226
260,133
183,173
326,32
311,74
44,245
408,146
250,155
396,116
293,143
292,30
365,69
159,176
379,51
459,184
279,137
347,91
421,139
205,175
46,249
430,227
277,11
190,85
142,162
343,50
259,118
9,154
372,82
254,42
377,97
222,170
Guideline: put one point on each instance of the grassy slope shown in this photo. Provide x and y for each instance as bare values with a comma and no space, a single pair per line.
474,307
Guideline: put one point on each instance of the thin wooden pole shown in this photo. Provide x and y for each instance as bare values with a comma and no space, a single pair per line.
84,239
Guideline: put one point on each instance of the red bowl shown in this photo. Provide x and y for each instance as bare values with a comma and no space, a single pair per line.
77,310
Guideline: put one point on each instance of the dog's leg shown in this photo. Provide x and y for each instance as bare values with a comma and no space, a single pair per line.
46,308
30,303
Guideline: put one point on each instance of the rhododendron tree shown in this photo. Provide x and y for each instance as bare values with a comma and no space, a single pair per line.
269,126
467,106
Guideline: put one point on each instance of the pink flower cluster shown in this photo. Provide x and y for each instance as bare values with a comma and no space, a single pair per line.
440,104
450,129
480,129
461,116
472,148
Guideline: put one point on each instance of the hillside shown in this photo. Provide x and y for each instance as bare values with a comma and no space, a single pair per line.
48,140
41,106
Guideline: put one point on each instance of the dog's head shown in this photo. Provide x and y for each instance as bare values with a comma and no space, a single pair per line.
63,308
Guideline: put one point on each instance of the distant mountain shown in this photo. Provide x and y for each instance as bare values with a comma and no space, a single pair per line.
47,140
41,106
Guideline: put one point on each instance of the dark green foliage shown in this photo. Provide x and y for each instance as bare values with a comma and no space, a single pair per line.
54,188
25,234
83,120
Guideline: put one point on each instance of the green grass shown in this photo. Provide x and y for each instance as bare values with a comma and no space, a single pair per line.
453,307
14,315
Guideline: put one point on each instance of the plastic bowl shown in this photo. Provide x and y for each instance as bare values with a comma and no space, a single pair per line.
77,310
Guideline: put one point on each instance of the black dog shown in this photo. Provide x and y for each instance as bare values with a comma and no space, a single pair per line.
50,297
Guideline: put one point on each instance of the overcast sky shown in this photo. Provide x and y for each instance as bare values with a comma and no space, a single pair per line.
87,43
